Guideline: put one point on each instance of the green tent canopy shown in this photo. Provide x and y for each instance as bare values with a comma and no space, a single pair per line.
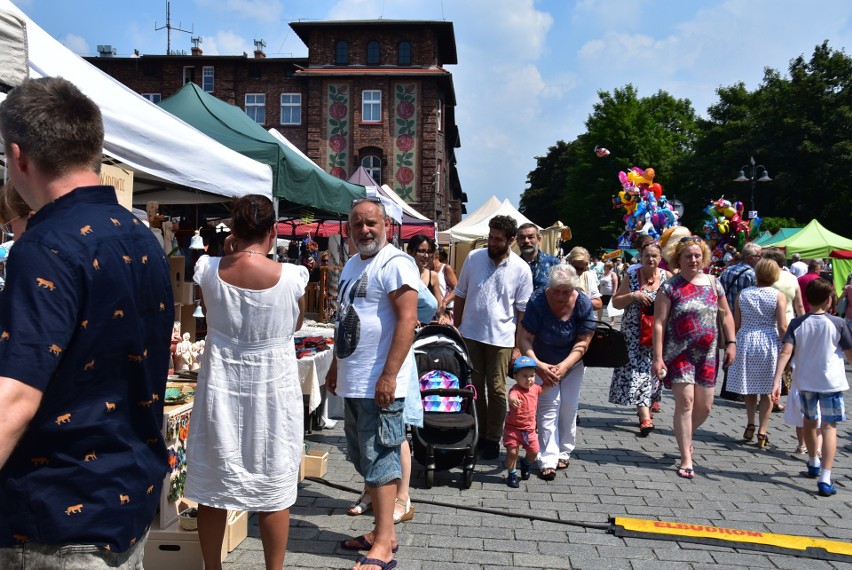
294,178
763,238
781,234
813,241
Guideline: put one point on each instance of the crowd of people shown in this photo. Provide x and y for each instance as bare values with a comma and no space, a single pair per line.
82,370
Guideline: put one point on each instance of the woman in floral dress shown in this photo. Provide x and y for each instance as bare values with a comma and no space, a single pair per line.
685,336
632,384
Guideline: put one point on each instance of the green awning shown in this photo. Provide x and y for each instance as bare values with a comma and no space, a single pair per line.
294,178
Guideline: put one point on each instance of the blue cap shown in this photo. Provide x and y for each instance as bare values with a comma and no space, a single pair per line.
523,362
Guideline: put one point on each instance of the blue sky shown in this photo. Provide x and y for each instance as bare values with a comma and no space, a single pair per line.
529,71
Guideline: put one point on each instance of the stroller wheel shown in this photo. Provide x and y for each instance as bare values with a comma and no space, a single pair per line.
468,478
430,478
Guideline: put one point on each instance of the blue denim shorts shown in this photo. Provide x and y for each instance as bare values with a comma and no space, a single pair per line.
35,556
826,405
373,437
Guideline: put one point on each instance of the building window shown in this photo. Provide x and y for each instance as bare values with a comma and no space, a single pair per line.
153,97
439,119
188,75
341,53
373,165
404,53
207,78
256,107
371,106
291,108
373,53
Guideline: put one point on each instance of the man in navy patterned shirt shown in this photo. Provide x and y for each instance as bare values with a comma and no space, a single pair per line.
85,323
529,242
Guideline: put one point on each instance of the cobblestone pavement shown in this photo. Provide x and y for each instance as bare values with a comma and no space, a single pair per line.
613,472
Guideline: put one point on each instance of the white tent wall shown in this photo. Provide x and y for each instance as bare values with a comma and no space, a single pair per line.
142,135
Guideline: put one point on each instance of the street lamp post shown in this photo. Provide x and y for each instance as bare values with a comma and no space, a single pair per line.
749,173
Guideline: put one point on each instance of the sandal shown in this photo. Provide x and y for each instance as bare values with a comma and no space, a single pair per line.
363,505
364,561
762,441
801,450
656,409
408,511
646,427
548,474
361,543
748,434
686,472
563,463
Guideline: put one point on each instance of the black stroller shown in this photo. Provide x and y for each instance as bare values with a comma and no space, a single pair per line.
447,438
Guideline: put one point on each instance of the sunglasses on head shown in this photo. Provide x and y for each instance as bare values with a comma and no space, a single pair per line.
373,199
695,239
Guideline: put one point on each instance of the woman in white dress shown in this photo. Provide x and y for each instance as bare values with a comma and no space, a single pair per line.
760,320
246,433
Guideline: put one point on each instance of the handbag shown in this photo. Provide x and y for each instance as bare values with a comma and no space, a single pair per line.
646,329
608,348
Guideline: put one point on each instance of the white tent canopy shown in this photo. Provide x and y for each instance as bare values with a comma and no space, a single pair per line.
138,133
475,225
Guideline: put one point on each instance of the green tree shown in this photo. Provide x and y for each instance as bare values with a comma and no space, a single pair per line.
772,224
799,127
573,185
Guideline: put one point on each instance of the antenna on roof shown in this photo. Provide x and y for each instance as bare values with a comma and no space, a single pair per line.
168,26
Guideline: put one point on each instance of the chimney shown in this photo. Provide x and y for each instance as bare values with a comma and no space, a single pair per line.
258,49
196,46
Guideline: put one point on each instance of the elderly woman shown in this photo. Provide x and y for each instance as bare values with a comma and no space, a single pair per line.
587,281
685,338
555,332
760,319
245,441
632,384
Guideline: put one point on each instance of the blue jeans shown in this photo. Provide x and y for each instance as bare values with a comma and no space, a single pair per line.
35,556
373,437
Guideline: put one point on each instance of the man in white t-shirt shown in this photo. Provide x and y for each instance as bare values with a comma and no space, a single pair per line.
373,363
491,297
798,267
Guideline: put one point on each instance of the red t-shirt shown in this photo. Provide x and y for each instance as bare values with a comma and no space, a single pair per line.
803,283
523,417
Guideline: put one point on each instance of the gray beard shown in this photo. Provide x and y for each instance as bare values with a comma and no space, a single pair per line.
371,249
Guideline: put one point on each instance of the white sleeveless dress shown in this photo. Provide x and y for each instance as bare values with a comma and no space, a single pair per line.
247,425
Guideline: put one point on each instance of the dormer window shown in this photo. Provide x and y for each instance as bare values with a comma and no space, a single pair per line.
404,53
341,53
373,53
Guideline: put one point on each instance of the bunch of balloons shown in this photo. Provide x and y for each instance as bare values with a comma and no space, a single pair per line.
647,210
725,229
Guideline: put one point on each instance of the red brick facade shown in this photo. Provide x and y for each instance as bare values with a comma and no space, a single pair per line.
413,132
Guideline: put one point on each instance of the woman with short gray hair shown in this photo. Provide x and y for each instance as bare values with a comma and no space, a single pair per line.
555,332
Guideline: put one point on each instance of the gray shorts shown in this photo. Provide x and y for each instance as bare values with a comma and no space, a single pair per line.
35,556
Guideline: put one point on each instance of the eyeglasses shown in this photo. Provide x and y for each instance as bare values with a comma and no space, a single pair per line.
373,199
695,239
423,251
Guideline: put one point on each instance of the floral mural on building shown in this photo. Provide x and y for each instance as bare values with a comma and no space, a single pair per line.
338,130
405,141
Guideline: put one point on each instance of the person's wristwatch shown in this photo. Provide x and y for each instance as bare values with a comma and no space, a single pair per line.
730,342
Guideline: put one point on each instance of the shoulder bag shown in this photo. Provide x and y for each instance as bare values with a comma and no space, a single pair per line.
608,348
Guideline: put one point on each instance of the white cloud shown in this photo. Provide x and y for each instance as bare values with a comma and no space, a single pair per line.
77,44
226,43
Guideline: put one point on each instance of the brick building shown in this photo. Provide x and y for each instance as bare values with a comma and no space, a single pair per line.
370,93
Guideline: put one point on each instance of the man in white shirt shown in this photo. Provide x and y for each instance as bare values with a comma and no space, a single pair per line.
373,363
798,267
491,297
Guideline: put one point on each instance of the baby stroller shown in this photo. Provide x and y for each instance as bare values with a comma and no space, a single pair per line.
449,434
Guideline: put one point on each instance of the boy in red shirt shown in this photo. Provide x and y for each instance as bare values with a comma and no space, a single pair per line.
520,423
